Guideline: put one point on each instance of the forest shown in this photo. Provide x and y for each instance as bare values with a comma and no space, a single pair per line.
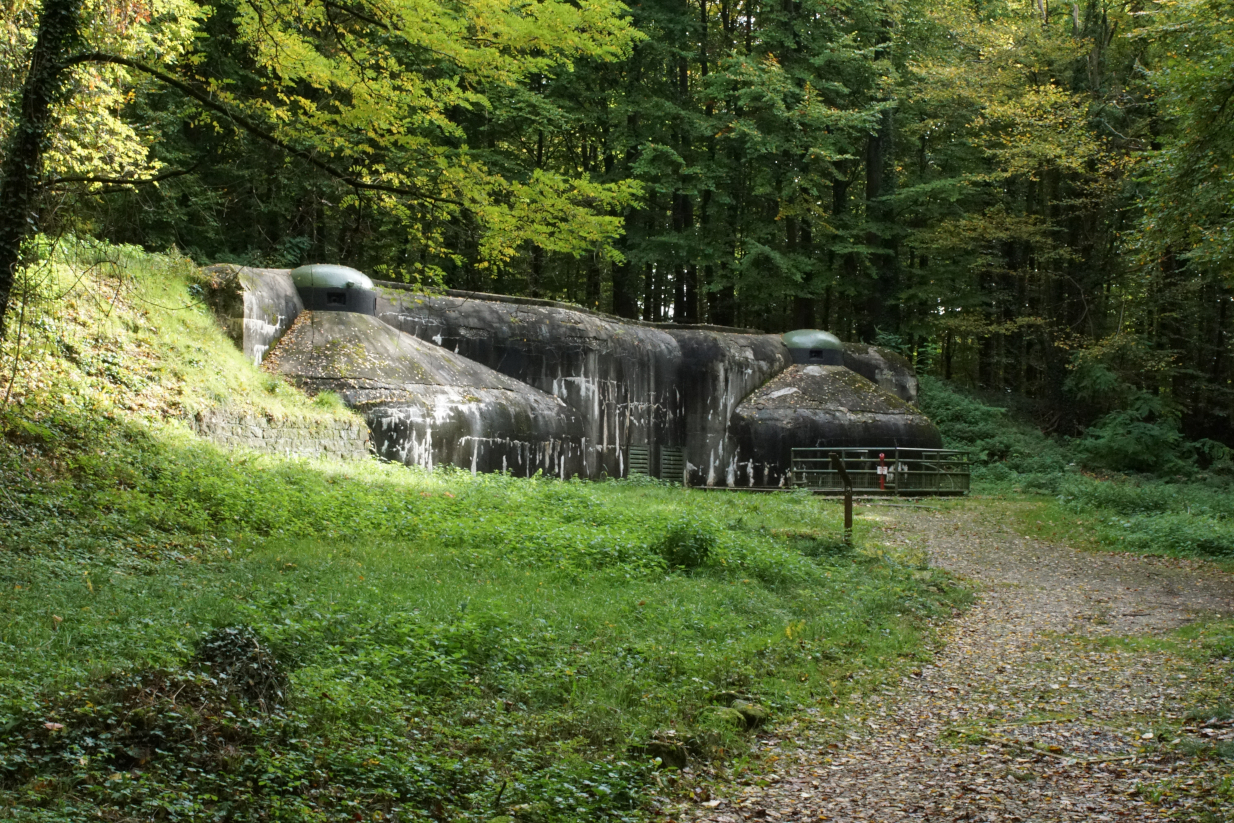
1029,199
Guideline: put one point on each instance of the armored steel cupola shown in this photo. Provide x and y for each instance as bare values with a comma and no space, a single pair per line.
814,346
326,287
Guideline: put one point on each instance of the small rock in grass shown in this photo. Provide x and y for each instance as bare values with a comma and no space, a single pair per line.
753,713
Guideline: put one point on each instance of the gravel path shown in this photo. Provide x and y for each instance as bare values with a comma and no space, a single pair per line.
1026,715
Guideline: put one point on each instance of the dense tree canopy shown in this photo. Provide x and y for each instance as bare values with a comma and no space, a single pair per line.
1022,196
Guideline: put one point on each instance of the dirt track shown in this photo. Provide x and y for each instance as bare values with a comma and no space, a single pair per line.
1032,712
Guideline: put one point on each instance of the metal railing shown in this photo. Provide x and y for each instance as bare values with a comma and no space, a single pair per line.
908,472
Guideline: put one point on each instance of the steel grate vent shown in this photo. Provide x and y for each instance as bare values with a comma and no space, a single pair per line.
639,461
672,464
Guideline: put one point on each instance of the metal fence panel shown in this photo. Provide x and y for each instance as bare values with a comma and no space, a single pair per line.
672,464
908,471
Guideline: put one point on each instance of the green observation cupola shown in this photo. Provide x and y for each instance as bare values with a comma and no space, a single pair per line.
814,346
326,287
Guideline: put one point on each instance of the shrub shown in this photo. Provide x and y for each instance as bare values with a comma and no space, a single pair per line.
240,661
686,545
1003,449
1134,440
328,400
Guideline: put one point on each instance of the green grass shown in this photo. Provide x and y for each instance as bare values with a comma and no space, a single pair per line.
113,331
194,635
1188,515
435,636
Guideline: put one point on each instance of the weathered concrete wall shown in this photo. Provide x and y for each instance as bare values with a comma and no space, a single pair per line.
345,439
256,306
525,385
426,405
819,406
883,367
718,370
621,380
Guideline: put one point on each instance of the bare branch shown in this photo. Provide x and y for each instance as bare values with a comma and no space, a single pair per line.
119,181
372,21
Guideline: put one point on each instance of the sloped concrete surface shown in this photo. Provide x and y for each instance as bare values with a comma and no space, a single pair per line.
255,306
718,370
622,380
820,406
425,405
884,368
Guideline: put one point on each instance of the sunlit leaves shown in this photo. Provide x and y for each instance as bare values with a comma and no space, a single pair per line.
94,137
377,86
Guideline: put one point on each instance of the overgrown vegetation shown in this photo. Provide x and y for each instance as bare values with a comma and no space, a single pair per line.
179,626
1185,509
1026,197
190,634
110,331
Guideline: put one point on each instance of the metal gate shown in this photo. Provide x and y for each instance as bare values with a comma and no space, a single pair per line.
904,471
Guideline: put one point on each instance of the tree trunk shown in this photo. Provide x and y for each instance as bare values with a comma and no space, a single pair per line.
535,279
592,299
881,304
20,169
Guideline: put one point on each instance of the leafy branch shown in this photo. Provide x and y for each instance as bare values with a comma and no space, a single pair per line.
252,128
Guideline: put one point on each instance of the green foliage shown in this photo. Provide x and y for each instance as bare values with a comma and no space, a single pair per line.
821,546
1127,382
1189,174
109,330
333,639
1147,513
1153,517
328,400
686,545
93,137
1001,445
1138,439
193,634
1020,197
187,633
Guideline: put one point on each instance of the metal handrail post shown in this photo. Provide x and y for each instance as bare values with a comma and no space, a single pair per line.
838,465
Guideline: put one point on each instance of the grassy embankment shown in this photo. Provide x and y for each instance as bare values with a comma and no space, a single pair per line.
1048,491
188,634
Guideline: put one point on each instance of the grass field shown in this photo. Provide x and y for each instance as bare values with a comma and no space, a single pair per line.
1050,491
203,636
189,634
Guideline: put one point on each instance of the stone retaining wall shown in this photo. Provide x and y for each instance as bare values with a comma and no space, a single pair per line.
342,439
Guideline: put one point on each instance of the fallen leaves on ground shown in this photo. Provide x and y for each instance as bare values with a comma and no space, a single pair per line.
1050,702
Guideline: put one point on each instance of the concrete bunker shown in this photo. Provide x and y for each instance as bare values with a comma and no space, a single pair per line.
424,405
813,406
496,383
